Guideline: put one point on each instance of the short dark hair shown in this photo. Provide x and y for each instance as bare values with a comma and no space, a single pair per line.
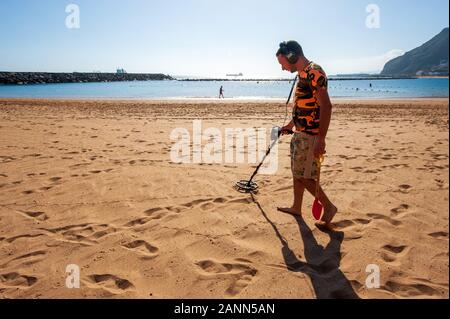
290,46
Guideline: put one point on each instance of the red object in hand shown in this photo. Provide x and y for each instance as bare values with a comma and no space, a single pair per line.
317,209
317,206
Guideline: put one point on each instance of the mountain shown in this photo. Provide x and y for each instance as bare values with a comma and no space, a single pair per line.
431,58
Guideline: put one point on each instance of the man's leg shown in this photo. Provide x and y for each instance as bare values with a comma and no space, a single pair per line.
299,190
329,209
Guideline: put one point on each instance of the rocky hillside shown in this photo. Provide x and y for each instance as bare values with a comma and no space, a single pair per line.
431,58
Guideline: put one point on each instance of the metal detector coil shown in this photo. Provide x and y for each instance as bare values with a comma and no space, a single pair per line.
249,186
245,186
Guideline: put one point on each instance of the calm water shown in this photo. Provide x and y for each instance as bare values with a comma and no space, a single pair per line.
232,89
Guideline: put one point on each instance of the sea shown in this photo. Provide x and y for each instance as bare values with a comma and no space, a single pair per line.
238,90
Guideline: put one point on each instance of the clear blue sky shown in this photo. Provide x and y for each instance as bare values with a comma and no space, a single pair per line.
210,37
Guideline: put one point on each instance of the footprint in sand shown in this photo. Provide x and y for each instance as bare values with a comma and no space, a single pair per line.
79,165
412,289
439,234
16,280
40,216
111,283
354,229
394,249
440,183
210,203
405,188
160,212
157,213
142,247
151,214
402,209
240,275
27,259
207,206
6,159
12,239
385,218
138,222
86,234
392,253
204,203
372,171
342,224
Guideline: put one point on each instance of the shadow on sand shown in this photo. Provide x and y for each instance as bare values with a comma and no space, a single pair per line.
322,263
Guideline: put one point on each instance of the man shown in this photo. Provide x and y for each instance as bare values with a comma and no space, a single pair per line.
221,92
311,118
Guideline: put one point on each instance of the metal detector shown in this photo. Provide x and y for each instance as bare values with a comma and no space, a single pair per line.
249,186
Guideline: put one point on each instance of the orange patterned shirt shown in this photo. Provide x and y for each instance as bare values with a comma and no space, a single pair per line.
306,112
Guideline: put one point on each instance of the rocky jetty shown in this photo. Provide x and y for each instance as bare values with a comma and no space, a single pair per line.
41,78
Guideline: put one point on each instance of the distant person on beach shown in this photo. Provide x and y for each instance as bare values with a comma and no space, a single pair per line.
221,93
310,122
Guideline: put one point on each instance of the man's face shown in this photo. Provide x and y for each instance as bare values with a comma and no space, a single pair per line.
285,65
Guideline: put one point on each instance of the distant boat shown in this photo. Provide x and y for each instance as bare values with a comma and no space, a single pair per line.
239,74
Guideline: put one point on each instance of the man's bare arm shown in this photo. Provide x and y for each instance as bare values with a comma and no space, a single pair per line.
325,116
325,112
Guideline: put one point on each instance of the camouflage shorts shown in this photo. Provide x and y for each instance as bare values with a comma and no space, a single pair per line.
303,164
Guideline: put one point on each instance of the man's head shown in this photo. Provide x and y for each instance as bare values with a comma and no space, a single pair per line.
288,55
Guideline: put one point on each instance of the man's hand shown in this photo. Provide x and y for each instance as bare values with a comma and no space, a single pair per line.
319,147
285,130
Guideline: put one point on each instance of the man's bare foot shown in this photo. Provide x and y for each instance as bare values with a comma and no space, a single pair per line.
327,217
291,211
324,226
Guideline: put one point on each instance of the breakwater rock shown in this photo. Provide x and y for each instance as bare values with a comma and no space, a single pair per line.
44,77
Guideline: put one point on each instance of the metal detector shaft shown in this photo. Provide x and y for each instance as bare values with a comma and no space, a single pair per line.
249,185
262,161
273,143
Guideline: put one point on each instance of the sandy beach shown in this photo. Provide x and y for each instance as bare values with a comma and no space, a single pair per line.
91,183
